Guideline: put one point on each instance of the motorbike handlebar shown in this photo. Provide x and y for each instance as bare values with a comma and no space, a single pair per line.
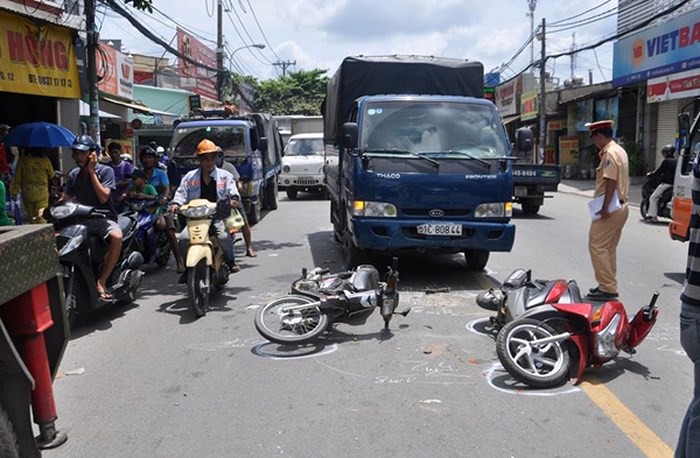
654,297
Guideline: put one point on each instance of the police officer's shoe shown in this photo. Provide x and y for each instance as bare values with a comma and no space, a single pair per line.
594,290
601,295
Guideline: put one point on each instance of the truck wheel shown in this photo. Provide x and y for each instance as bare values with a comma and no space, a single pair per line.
292,193
354,256
8,439
530,208
476,259
271,190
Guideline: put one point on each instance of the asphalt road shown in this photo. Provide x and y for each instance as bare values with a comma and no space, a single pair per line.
149,380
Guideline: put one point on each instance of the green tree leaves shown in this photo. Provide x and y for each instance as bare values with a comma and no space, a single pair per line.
297,93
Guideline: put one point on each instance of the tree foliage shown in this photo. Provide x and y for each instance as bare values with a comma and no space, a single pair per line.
298,93
143,5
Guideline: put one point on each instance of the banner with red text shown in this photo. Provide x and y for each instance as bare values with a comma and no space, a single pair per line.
37,60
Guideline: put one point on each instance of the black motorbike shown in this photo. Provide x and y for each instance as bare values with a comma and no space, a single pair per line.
81,255
650,184
318,299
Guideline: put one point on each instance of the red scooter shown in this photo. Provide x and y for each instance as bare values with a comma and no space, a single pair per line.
557,340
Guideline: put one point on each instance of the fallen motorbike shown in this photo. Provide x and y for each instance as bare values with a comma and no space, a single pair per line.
81,257
650,184
150,242
205,260
549,334
318,299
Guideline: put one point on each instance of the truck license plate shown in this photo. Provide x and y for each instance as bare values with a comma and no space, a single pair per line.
520,191
306,181
440,229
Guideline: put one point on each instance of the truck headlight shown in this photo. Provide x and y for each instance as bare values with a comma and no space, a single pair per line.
375,209
286,169
494,210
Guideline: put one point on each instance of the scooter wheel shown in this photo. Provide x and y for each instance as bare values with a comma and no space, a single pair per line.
198,288
301,325
539,366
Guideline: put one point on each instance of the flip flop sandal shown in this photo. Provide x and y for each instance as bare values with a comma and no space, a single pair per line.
251,254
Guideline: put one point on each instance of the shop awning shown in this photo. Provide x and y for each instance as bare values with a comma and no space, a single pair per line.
509,119
136,106
85,111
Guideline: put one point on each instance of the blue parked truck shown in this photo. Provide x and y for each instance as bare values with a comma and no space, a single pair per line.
252,143
416,160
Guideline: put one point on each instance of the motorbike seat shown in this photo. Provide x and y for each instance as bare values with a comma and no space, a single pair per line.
125,224
365,278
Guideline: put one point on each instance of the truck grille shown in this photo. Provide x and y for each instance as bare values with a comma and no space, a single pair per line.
424,212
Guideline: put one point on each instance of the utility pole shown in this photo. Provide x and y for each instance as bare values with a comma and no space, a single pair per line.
220,50
284,65
573,55
543,97
92,43
531,5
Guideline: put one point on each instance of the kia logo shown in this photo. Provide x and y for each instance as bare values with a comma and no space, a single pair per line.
437,213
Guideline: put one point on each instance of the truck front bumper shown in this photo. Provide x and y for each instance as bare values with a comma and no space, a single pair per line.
395,236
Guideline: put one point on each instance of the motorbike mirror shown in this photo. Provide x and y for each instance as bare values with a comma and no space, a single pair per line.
684,122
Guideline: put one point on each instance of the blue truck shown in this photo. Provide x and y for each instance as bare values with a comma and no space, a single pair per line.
252,143
416,160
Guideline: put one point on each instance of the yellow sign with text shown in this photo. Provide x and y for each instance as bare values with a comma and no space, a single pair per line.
568,150
37,59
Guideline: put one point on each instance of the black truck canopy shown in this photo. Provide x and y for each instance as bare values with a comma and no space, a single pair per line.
372,75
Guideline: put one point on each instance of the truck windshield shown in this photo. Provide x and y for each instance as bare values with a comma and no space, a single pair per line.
452,130
231,139
304,147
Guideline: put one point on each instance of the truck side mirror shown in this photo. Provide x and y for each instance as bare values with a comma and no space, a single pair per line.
349,139
523,140
263,144
684,122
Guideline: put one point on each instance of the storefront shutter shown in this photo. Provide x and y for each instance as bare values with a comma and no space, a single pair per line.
666,128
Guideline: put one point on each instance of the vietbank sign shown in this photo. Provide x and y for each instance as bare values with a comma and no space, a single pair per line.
659,50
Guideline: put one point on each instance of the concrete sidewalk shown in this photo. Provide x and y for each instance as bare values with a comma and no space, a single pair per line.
586,188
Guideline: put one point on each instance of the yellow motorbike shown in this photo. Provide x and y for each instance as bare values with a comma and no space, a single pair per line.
205,260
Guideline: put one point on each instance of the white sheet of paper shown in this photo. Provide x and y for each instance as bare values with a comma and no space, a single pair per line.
595,205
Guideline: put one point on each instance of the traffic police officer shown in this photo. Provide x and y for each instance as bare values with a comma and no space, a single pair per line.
611,175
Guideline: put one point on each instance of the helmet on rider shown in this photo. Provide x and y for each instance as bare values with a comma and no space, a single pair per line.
147,151
668,151
206,147
84,143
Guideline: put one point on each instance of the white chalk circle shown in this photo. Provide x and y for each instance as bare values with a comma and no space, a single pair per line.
276,351
499,379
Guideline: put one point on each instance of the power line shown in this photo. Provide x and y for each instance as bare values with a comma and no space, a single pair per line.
555,23
261,31
248,35
160,41
228,14
616,36
585,23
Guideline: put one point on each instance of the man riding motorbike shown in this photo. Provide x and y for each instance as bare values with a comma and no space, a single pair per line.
91,183
211,183
665,173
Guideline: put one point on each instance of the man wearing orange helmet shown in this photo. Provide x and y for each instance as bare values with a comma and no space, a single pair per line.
211,183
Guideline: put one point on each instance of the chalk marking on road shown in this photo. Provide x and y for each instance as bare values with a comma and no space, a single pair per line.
471,326
675,351
636,431
491,373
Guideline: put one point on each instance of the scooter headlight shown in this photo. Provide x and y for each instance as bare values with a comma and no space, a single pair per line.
605,339
72,244
201,211
63,211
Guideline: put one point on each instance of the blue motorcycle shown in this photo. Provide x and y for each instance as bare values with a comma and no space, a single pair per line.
148,240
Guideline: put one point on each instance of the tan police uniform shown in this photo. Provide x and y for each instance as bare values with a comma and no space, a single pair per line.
604,234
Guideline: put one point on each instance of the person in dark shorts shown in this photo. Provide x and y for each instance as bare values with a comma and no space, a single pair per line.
92,183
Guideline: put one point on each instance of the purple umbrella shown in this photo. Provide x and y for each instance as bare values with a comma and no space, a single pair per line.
39,135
